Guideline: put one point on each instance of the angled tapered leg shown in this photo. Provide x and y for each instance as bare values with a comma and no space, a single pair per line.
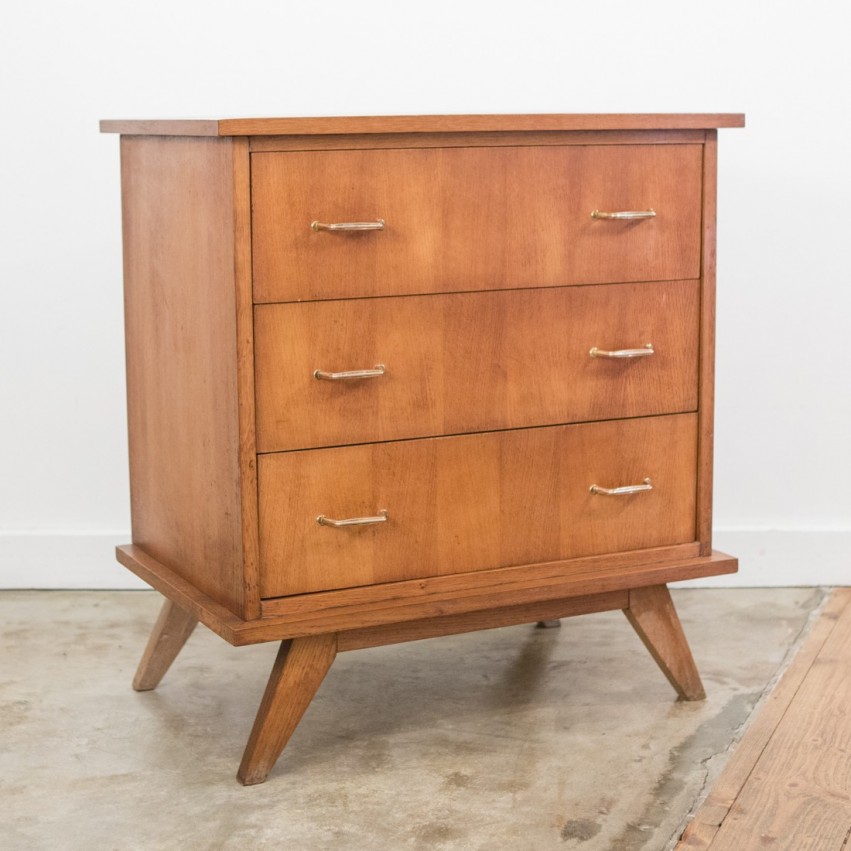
298,671
169,635
653,616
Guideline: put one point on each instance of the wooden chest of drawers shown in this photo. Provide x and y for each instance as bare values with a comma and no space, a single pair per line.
394,378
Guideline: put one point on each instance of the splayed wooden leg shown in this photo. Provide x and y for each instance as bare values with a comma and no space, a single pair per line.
653,616
168,636
298,671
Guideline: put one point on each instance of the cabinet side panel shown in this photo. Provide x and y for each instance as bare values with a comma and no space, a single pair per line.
182,359
706,389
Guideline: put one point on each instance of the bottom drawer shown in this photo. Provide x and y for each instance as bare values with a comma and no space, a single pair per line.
473,502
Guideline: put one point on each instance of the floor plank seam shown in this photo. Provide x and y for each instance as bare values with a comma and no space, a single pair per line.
707,785
814,617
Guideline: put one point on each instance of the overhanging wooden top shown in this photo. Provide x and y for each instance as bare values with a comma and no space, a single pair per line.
423,124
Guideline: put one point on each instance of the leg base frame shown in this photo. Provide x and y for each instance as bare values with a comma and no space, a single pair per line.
302,663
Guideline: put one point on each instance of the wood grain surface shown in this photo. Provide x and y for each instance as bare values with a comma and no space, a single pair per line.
352,142
472,219
246,406
481,296
171,631
471,502
470,362
706,409
357,608
653,616
298,672
182,359
417,630
788,783
425,123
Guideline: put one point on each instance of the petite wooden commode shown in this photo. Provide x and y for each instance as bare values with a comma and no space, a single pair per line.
395,378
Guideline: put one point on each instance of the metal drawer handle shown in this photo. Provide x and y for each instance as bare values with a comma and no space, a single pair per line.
322,520
376,372
378,224
647,486
623,353
624,214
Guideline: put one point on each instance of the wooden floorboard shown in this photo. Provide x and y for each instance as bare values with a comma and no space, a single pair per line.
788,783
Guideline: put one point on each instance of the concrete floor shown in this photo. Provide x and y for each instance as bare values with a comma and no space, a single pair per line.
514,738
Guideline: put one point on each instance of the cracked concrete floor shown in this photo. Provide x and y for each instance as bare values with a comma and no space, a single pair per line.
513,738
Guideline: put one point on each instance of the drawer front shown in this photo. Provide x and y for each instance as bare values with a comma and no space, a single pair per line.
473,502
468,362
472,219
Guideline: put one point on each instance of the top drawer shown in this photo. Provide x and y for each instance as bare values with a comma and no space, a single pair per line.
472,219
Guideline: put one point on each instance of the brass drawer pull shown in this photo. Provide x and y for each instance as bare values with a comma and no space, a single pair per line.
646,486
352,374
624,214
378,224
322,520
623,353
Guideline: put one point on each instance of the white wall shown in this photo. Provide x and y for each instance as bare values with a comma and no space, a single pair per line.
783,501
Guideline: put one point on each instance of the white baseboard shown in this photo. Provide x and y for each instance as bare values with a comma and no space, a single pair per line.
767,558
64,560
782,557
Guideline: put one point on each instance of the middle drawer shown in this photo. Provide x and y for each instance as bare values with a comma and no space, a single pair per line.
466,362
